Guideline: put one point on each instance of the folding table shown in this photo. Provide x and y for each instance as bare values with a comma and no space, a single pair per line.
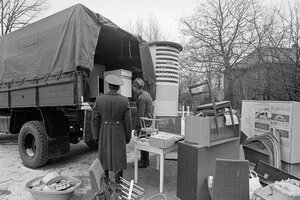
143,144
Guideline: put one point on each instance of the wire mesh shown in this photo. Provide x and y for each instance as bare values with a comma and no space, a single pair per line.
124,191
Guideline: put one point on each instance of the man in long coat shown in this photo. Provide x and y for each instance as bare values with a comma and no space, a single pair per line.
111,126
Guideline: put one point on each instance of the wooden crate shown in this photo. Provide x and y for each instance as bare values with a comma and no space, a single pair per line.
202,131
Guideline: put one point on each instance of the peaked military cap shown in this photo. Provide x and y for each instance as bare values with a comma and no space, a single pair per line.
114,79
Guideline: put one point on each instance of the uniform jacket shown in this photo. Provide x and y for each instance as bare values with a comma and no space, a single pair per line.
111,125
144,107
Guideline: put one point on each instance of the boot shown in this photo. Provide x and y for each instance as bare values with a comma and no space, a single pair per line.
144,159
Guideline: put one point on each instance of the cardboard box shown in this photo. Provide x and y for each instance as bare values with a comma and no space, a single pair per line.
202,130
126,77
163,140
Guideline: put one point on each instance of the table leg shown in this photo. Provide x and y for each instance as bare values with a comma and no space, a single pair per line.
161,172
136,156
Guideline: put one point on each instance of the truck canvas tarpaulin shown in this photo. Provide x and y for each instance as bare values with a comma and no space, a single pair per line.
61,42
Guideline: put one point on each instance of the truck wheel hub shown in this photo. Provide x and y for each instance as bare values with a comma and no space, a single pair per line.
30,145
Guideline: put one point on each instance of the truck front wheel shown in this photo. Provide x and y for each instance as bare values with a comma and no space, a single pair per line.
33,144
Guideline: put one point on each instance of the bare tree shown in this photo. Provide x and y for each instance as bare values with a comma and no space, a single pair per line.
285,41
148,28
220,33
252,80
19,13
274,63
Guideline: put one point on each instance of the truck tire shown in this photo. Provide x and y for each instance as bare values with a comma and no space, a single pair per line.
92,144
33,144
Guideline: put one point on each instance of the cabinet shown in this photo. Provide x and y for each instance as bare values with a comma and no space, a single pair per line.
196,163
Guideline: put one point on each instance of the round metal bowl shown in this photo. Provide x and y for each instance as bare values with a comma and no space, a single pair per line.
50,195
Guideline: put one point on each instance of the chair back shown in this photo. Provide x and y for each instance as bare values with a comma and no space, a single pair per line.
130,190
149,126
231,180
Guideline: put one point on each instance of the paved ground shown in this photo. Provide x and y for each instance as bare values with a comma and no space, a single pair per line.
14,175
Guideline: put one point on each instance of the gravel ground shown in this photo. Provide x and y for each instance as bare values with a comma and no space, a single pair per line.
14,175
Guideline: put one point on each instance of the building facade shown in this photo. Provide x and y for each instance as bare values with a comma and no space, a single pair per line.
268,74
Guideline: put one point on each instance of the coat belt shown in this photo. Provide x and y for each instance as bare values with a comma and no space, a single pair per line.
111,122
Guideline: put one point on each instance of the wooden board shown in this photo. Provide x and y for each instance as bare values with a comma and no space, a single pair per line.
23,98
4,100
63,91
57,95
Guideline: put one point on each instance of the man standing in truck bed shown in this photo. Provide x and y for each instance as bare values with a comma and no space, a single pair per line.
111,126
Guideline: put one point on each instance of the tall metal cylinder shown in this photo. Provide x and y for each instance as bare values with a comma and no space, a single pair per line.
165,57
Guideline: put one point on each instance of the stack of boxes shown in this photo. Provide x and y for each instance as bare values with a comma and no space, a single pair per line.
198,153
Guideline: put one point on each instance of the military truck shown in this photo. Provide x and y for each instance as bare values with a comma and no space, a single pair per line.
52,70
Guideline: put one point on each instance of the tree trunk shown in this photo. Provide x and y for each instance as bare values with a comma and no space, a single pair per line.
230,94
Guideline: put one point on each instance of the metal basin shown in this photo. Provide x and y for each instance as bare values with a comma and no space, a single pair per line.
52,195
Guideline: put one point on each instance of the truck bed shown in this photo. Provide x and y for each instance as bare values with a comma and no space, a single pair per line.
55,91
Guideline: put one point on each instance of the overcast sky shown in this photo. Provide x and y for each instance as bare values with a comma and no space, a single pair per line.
121,12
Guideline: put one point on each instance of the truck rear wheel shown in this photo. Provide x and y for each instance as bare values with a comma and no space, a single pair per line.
33,144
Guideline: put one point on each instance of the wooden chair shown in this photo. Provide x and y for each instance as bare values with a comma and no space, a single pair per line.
149,126
96,173
213,108
130,190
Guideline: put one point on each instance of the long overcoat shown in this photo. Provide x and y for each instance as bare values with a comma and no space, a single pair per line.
111,125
